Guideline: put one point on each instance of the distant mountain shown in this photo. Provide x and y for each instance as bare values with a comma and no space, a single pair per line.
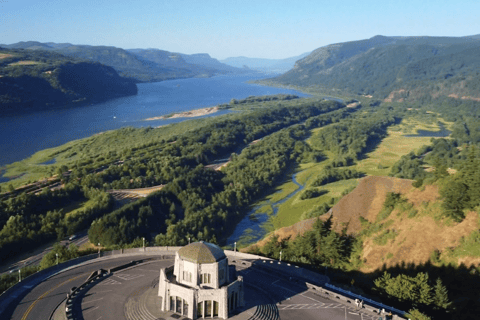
161,57
204,59
35,80
393,68
477,36
264,65
142,65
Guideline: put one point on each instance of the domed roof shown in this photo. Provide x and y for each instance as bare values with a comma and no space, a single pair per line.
201,252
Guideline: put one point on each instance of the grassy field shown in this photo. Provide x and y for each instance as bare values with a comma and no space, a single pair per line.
76,207
377,162
292,210
5,55
24,63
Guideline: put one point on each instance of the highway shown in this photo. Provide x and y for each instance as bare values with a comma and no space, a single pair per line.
37,255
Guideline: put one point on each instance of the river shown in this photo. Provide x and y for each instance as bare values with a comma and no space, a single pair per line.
254,226
23,135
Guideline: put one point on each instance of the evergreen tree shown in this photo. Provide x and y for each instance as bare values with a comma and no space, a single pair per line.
423,288
440,298
455,199
414,314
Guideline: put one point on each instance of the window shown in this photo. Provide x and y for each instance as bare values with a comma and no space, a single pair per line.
179,305
187,276
208,309
205,278
185,308
172,303
200,310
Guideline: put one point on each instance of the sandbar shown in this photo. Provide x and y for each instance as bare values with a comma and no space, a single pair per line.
187,114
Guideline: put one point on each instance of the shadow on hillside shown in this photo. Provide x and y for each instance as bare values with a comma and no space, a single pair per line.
462,283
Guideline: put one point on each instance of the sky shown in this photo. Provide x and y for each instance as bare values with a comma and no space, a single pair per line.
231,28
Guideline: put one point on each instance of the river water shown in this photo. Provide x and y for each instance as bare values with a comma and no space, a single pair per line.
23,135
254,226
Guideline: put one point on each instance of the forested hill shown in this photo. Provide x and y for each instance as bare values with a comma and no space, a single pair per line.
264,65
35,80
142,65
394,68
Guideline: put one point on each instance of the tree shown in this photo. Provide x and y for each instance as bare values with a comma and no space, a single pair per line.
440,298
455,199
414,314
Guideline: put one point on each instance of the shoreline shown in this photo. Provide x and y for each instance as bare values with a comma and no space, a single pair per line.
187,114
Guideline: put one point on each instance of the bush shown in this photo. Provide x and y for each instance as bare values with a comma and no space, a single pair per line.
418,183
312,193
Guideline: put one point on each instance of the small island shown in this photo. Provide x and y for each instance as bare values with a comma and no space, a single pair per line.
187,114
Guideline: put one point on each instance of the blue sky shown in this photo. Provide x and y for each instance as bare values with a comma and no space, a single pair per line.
230,28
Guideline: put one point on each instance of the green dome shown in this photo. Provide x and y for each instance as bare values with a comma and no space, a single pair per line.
201,252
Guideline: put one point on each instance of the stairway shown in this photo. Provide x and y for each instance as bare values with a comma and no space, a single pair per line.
266,312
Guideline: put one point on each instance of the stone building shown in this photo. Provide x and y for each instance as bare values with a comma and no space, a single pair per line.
200,284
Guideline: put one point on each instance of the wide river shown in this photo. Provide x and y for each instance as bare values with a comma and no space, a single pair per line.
23,135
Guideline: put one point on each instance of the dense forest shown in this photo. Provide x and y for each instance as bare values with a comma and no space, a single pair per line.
393,68
262,144
429,291
195,200
139,65
31,80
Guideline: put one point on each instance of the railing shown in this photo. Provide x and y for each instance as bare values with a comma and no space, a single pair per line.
237,258
370,301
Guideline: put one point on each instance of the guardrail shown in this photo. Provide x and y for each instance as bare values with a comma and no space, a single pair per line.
75,292
354,299
235,257
12,293
370,301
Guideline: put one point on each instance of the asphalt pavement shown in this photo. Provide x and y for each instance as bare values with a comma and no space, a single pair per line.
34,257
132,294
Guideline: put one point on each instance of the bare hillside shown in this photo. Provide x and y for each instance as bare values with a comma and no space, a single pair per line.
406,239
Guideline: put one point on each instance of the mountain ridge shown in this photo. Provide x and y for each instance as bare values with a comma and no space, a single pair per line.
142,65
35,80
424,68
264,65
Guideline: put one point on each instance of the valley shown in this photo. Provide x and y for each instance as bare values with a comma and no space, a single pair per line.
375,186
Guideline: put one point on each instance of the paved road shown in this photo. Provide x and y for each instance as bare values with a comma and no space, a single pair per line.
131,294
121,295
37,255
291,300
38,302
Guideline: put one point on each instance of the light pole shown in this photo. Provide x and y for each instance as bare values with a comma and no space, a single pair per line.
99,249
56,254
235,248
143,244
19,275
280,257
188,240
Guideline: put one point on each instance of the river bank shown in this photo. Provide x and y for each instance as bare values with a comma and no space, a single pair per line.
25,134
187,114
